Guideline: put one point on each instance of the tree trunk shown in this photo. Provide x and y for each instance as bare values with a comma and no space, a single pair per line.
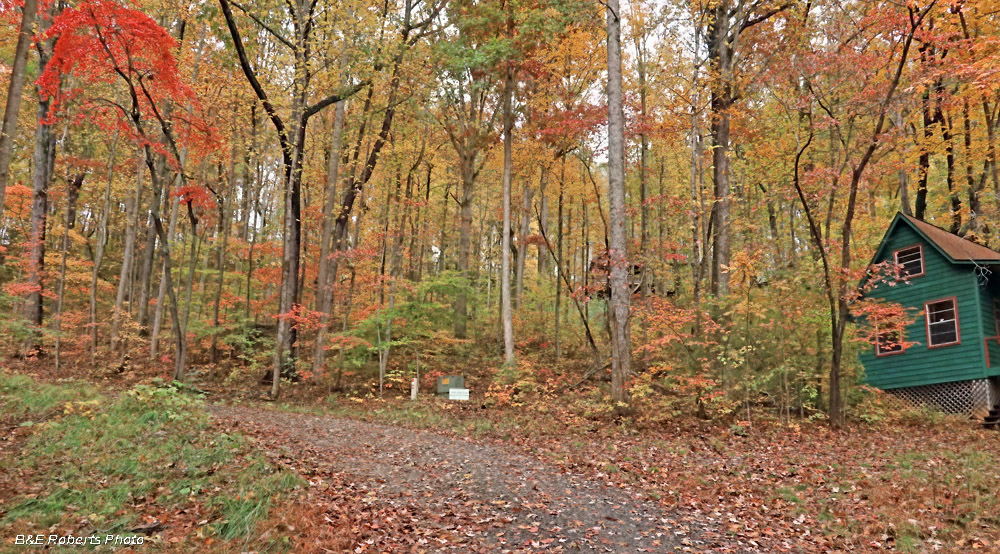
443,234
644,220
415,252
560,262
924,162
954,197
15,92
465,244
146,268
41,176
128,253
102,241
146,274
543,221
72,193
976,223
621,348
324,280
720,57
697,233
903,176
508,168
194,250
224,223
522,251
289,264
991,153
154,339
180,339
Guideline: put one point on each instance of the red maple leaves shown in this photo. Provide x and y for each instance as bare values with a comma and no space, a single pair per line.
100,44
195,195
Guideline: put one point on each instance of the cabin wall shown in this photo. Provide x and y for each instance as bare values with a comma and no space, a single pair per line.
920,365
989,291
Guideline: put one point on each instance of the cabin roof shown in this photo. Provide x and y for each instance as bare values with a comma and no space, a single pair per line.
955,248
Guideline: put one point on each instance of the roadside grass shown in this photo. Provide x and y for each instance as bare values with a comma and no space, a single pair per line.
145,461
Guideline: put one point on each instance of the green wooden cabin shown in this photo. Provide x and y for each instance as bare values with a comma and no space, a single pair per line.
954,284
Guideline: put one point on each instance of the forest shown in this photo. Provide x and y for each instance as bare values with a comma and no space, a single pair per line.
628,224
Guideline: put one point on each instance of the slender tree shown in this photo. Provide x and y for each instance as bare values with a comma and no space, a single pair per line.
618,264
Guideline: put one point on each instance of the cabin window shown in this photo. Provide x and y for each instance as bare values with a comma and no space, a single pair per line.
909,262
942,322
888,342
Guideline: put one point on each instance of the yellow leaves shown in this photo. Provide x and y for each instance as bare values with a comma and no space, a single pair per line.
743,267
83,408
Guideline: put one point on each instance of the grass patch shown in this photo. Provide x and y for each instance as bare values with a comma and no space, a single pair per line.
104,465
21,397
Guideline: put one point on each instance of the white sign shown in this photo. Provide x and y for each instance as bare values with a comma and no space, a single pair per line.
458,394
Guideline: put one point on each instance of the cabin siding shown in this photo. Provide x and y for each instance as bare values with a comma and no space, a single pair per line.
920,365
988,291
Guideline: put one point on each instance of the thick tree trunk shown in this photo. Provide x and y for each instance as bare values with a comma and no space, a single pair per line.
924,162
902,175
955,199
15,92
289,262
621,347
41,176
720,57
991,153
324,280
976,223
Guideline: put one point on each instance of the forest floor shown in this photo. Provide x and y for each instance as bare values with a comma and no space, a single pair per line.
446,494
918,483
550,471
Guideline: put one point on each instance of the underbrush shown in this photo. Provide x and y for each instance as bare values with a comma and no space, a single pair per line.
145,462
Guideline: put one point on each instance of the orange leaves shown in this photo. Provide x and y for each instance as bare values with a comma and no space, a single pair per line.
302,318
881,321
18,201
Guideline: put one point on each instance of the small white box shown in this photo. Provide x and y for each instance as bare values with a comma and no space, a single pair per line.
458,394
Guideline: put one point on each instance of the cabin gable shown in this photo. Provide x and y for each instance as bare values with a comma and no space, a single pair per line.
922,364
